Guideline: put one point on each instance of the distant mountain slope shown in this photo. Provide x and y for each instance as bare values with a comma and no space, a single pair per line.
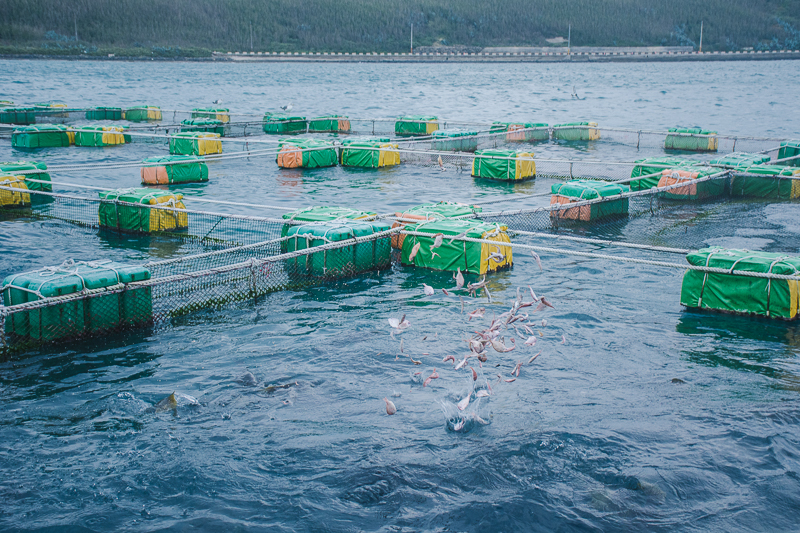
383,25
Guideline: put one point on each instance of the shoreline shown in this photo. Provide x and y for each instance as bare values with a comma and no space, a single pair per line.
507,57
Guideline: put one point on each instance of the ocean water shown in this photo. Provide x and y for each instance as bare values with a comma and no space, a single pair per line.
646,417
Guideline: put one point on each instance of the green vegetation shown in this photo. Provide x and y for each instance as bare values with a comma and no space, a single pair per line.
191,28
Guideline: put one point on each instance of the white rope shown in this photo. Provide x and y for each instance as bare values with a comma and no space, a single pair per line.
561,251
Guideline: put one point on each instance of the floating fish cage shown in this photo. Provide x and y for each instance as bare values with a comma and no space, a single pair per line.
454,140
582,190
732,293
98,136
306,153
18,197
174,169
472,257
504,165
369,154
416,125
690,191
766,181
143,113
105,113
195,143
790,149
284,124
522,131
340,262
691,139
130,211
22,116
205,125
52,109
427,212
576,131
655,165
214,113
329,124
26,166
77,317
42,136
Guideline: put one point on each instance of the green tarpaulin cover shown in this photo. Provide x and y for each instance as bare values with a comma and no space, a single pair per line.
576,131
306,153
284,124
506,165
790,149
139,218
78,317
340,262
178,168
97,136
368,153
643,167
578,190
329,124
455,140
416,125
770,181
694,191
211,125
18,115
41,136
13,168
194,143
472,257
143,113
742,294
694,139
104,113
739,159
523,131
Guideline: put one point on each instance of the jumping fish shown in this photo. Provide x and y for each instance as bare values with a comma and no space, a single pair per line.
532,359
458,426
399,324
544,323
533,294
497,257
437,241
478,313
563,339
500,347
390,408
428,289
482,393
537,259
462,364
516,369
459,278
531,340
449,358
459,236
548,304
474,374
430,378
413,253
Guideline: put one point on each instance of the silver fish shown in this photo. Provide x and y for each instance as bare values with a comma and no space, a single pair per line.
459,279
482,393
531,341
428,289
390,408
413,253
478,313
459,236
537,259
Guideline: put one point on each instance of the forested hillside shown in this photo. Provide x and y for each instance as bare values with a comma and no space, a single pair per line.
161,26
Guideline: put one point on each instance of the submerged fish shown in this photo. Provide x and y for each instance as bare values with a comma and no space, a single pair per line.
247,379
175,400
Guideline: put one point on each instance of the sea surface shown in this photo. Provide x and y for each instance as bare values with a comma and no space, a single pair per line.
637,414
